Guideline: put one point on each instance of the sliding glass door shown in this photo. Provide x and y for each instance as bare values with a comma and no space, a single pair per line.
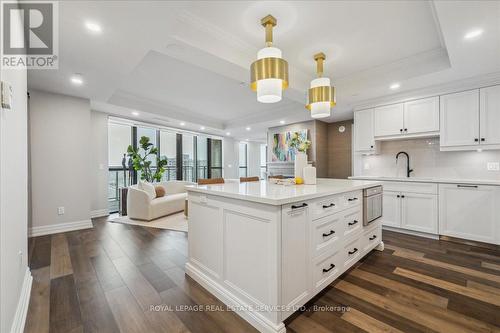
215,149
119,138
188,157
168,150
243,160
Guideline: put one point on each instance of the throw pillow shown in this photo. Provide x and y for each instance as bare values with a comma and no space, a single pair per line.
160,191
148,188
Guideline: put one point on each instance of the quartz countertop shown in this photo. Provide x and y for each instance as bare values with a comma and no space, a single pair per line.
430,180
268,193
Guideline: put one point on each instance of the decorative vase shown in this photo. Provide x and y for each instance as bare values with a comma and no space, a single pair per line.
300,164
309,175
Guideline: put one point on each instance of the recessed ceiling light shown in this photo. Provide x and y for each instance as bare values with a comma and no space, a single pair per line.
183,124
248,128
93,27
479,150
77,79
395,86
135,113
282,122
247,139
202,128
228,133
473,34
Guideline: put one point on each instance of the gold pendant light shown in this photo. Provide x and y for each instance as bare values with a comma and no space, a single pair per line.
321,96
269,73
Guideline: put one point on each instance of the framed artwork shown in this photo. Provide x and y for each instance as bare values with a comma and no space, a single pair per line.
281,150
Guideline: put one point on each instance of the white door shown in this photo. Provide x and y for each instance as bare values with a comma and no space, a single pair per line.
490,115
363,123
460,119
421,116
391,213
388,120
469,212
419,212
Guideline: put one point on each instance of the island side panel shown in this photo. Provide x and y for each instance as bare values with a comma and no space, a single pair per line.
234,252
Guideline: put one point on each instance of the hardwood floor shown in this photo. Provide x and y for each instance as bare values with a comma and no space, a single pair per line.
123,278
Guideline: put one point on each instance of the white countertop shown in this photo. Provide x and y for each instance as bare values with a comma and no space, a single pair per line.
272,194
430,180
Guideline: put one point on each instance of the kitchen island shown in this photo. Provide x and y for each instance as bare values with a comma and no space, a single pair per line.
265,249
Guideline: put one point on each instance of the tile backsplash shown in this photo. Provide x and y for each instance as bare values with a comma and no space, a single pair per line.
427,161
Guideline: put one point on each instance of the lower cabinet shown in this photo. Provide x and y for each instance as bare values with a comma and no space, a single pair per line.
470,212
412,211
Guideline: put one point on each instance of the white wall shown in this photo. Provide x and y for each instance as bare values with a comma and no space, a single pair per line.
60,128
253,151
230,157
99,163
13,199
427,161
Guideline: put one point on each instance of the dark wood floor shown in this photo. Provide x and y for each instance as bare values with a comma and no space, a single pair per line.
107,279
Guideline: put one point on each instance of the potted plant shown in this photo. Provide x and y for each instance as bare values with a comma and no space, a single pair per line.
301,144
142,157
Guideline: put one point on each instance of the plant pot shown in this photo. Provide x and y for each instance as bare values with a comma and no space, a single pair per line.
300,164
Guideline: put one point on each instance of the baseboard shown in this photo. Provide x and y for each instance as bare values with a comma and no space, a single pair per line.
23,304
61,227
99,213
411,232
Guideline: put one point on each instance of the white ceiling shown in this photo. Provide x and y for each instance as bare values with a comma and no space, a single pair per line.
188,61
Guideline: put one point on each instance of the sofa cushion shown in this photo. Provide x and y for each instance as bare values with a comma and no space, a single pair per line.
169,204
148,188
160,191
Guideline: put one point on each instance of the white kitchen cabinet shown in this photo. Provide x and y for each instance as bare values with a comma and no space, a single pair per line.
460,119
489,116
364,140
391,209
470,212
421,116
388,120
419,212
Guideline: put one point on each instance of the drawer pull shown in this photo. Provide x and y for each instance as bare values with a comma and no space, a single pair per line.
329,234
300,206
328,206
325,270
352,199
353,222
468,186
373,237
353,251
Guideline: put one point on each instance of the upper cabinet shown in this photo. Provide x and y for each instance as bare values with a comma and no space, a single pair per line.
410,119
471,119
363,131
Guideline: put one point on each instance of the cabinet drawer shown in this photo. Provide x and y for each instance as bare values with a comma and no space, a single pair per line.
351,199
327,233
424,188
371,238
353,221
327,206
326,268
351,252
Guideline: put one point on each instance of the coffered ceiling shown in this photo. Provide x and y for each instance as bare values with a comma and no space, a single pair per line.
188,61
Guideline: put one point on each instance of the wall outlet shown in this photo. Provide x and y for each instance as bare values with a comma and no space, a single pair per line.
493,166
60,210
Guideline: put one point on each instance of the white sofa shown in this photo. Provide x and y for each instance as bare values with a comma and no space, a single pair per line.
142,206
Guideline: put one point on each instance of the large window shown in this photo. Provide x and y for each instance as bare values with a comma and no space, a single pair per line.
243,160
215,147
188,158
201,157
119,138
263,161
168,150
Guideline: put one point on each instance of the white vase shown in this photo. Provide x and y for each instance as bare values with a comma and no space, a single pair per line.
300,164
309,175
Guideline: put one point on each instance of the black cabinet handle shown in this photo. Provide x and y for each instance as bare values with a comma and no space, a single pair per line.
301,206
483,139
328,269
398,196
353,251
352,199
476,140
468,186
329,234
402,196
401,130
371,146
328,206
406,130
373,237
353,222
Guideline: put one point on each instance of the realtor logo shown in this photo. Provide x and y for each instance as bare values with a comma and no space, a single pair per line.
29,34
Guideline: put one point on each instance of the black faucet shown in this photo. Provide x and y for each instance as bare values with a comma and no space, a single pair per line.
408,170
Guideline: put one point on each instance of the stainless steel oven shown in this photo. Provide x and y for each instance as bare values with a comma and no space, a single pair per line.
372,204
